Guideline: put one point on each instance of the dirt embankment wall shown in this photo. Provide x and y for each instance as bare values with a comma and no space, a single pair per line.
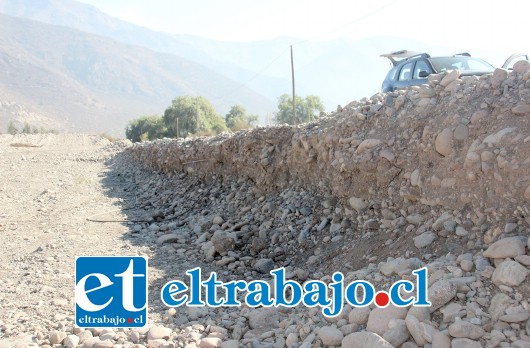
459,142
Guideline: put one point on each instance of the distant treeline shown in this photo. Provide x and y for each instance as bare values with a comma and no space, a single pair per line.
28,129
196,116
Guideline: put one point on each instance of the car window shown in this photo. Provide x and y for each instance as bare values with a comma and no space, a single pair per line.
404,74
476,65
462,63
421,66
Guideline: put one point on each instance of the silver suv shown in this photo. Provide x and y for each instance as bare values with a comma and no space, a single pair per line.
412,68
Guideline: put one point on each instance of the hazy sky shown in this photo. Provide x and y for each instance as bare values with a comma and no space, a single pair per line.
493,28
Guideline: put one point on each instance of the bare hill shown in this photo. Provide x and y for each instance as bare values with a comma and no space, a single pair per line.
92,83
20,115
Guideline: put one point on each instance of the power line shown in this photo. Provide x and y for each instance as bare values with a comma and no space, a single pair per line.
260,72
369,14
255,75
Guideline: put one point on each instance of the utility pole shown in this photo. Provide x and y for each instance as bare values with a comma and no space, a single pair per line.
177,127
294,99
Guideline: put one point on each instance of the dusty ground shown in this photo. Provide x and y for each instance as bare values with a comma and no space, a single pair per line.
49,186
52,186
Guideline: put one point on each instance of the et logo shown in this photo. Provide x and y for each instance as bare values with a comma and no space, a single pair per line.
111,291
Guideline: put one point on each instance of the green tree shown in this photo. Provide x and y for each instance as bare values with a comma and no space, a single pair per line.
216,125
236,114
252,120
192,115
146,128
237,118
11,128
307,110
26,129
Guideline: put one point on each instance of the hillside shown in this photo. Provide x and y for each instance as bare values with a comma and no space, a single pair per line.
20,115
93,83
87,18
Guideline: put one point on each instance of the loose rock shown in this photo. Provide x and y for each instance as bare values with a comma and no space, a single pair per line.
506,247
330,336
365,340
509,273
440,293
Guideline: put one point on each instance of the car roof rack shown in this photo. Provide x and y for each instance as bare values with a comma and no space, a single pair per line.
464,54
399,56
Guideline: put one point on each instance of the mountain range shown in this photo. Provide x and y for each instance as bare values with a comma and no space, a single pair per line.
93,83
92,72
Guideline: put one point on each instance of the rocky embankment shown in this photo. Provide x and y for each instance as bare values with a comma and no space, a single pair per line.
434,176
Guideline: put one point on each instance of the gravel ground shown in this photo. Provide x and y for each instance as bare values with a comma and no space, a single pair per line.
67,195
49,186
